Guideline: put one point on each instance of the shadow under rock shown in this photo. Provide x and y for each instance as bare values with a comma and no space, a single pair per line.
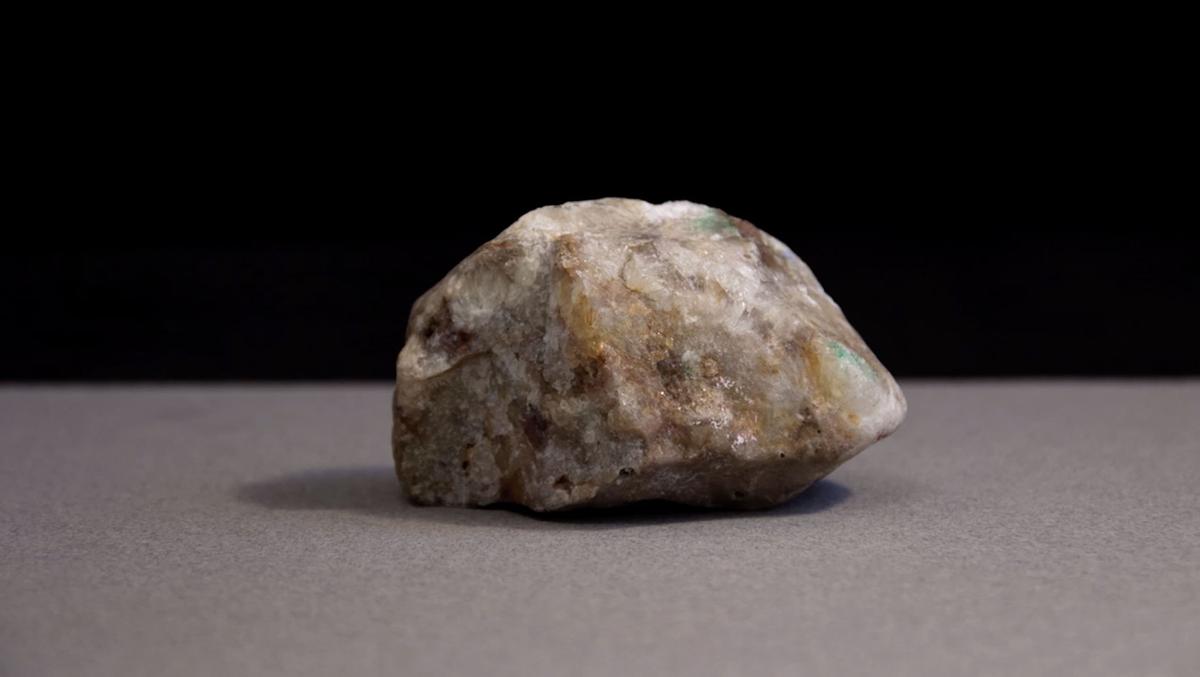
375,490
822,495
368,489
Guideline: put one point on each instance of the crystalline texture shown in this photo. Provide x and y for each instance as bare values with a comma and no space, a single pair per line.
603,352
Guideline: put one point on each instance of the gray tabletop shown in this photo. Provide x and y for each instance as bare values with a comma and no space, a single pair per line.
1035,528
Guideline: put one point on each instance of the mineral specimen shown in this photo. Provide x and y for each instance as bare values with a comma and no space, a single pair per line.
610,351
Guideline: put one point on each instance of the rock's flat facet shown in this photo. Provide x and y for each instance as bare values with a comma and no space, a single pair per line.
603,352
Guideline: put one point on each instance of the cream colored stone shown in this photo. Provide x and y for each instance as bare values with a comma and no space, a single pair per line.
603,352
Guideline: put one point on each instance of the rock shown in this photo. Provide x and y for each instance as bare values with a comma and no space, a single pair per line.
603,352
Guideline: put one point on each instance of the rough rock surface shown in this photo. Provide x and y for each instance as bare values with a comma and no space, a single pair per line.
603,352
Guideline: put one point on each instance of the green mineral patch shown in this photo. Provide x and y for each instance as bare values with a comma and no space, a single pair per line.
714,221
848,356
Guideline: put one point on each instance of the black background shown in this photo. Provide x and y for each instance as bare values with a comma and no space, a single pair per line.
285,238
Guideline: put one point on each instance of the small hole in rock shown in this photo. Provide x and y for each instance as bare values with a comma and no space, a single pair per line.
466,464
626,472
564,483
